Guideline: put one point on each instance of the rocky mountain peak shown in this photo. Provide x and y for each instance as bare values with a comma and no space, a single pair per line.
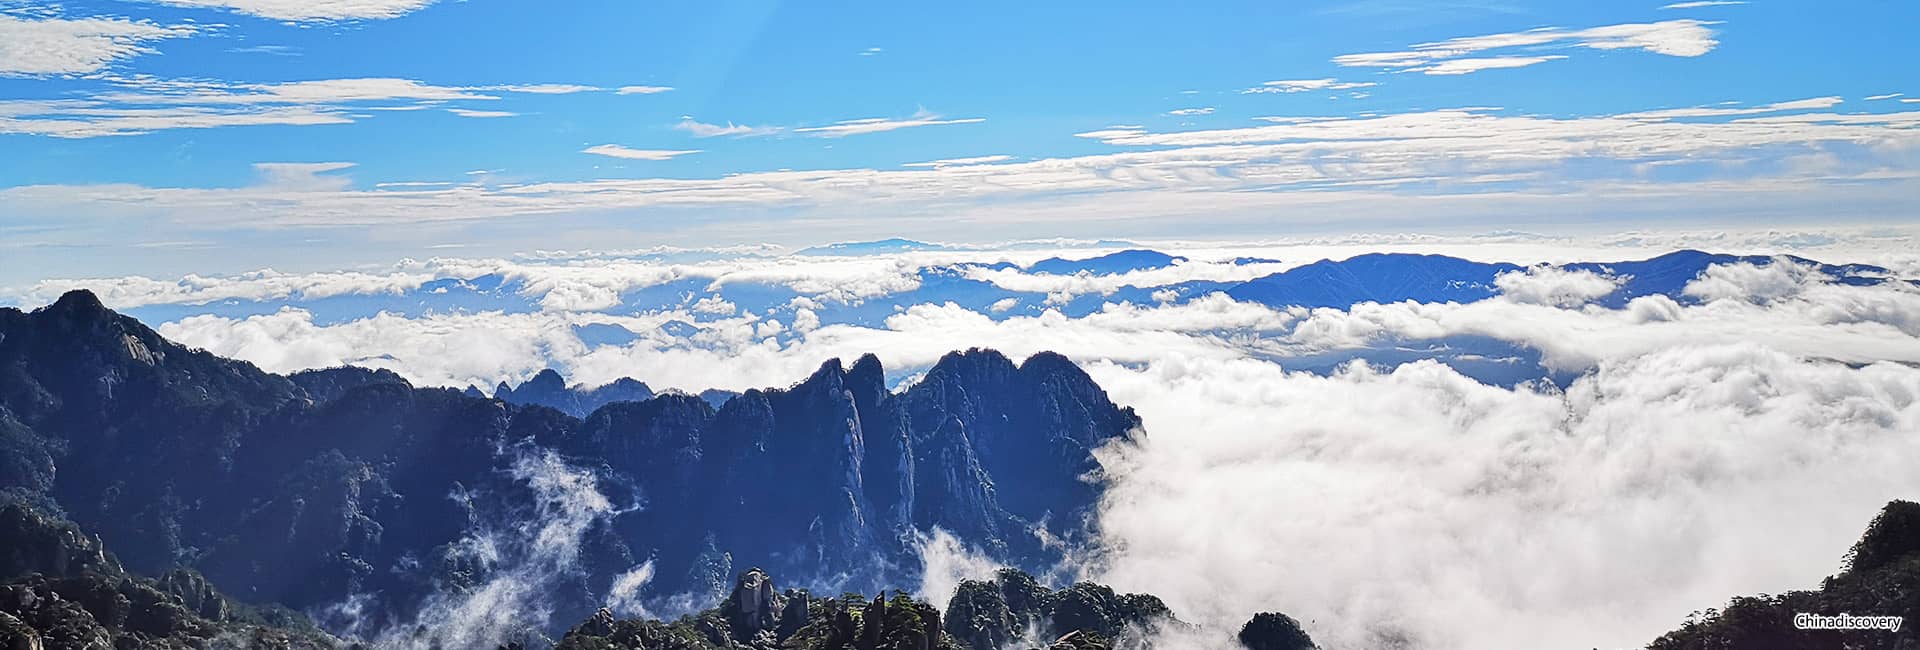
78,302
1894,534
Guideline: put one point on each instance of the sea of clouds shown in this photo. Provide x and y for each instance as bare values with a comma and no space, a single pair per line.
1667,454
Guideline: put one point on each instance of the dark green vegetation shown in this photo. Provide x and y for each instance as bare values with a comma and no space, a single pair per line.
1274,631
992,614
1012,610
59,588
1881,578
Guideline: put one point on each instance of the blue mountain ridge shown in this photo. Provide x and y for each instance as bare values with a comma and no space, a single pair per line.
1381,277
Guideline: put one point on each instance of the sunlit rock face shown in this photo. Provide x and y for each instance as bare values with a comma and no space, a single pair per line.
354,495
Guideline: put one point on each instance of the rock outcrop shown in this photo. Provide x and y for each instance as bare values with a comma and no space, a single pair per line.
547,388
1881,578
1274,631
1011,611
1014,607
60,588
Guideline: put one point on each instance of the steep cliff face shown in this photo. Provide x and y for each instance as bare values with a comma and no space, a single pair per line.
310,489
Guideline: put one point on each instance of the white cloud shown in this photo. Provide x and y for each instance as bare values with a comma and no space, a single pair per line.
1751,282
837,130
1470,516
143,104
142,90
1874,98
1695,4
623,596
466,112
871,51
266,284
57,46
1087,283
1304,85
958,162
1476,64
617,151
805,320
1191,111
1710,450
531,555
704,130
1550,285
545,89
1722,111
85,119
275,50
1352,162
310,10
880,125
715,306
643,90
1682,38
945,562
302,177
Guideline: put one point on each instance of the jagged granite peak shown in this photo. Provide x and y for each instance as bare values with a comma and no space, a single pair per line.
1025,423
304,490
77,302
717,397
547,388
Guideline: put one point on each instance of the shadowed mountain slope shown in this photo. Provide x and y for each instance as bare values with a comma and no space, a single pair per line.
351,484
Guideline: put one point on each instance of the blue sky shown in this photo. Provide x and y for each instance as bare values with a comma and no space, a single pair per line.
155,137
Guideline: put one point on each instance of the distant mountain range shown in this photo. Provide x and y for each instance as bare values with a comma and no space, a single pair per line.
1396,277
1383,277
349,485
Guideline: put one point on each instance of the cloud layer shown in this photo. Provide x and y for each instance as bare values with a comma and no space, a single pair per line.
58,46
1682,38
1767,403
1690,452
310,10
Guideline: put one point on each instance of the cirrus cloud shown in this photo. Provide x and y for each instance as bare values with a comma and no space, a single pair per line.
43,46
310,10
1680,38
618,151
